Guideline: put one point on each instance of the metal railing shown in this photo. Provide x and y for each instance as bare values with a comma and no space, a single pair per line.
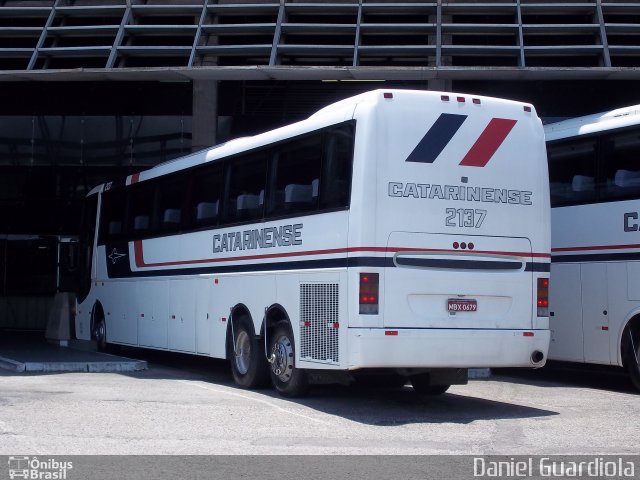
116,34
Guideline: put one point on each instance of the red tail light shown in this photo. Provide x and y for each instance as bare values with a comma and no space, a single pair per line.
543,297
368,295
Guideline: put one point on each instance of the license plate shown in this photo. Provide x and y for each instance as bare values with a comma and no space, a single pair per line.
460,305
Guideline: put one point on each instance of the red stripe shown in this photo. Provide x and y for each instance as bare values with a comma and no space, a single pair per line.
140,262
488,142
595,247
135,178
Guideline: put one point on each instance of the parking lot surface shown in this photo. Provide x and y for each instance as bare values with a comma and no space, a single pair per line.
185,405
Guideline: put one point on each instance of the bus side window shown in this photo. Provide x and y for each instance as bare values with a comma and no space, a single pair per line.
112,215
621,164
140,209
337,164
295,176
246,187
171,201
206,195
572,172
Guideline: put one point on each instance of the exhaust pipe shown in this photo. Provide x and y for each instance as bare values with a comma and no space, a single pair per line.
536,357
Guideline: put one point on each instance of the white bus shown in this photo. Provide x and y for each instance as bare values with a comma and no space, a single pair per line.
594,170
395,231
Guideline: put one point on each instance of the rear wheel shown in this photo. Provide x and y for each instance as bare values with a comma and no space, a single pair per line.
248,363
632,359
421,384
286,378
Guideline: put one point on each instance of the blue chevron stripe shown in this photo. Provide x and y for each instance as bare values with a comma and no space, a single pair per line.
438,136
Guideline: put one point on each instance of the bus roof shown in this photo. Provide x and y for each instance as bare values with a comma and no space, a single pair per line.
597,122
338,111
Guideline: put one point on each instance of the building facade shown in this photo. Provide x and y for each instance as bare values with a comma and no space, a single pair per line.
91,90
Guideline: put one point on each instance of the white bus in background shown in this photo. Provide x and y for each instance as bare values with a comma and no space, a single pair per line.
594,170
397,232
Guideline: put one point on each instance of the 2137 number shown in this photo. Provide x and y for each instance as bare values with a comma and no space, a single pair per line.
465,217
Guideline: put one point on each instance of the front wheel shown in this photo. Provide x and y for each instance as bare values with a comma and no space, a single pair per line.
632,359
100,333
286,378
248,363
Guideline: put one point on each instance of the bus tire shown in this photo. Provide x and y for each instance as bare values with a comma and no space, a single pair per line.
421,384
248,363
632,357
288,380
99,332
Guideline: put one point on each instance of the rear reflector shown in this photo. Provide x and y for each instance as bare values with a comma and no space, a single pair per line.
542,301
391,333
388,95
527,334
368,295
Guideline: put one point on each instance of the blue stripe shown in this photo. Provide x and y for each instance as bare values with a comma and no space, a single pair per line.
438,136
339,262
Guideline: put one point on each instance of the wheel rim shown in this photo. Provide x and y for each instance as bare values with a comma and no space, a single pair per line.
243,352
282,365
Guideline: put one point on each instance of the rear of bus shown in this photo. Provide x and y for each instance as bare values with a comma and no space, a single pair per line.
449,233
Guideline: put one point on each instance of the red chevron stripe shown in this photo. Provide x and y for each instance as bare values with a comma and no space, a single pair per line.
488,142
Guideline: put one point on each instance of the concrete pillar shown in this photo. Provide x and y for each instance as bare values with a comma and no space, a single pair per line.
204,122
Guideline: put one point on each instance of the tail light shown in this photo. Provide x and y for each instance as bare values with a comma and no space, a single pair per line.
368,294
543,297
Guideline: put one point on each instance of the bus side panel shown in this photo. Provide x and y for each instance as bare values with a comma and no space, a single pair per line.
182,315
153,308
203,317
120,301
565,299
591,275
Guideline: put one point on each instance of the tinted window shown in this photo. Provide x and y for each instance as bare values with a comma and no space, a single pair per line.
337,164
246,187
295,176
112,223
621,165
572,172
141,208
206,201
171,196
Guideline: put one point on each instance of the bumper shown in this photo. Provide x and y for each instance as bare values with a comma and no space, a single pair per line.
445,348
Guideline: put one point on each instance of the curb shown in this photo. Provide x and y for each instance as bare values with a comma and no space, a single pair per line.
8,364
94,367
